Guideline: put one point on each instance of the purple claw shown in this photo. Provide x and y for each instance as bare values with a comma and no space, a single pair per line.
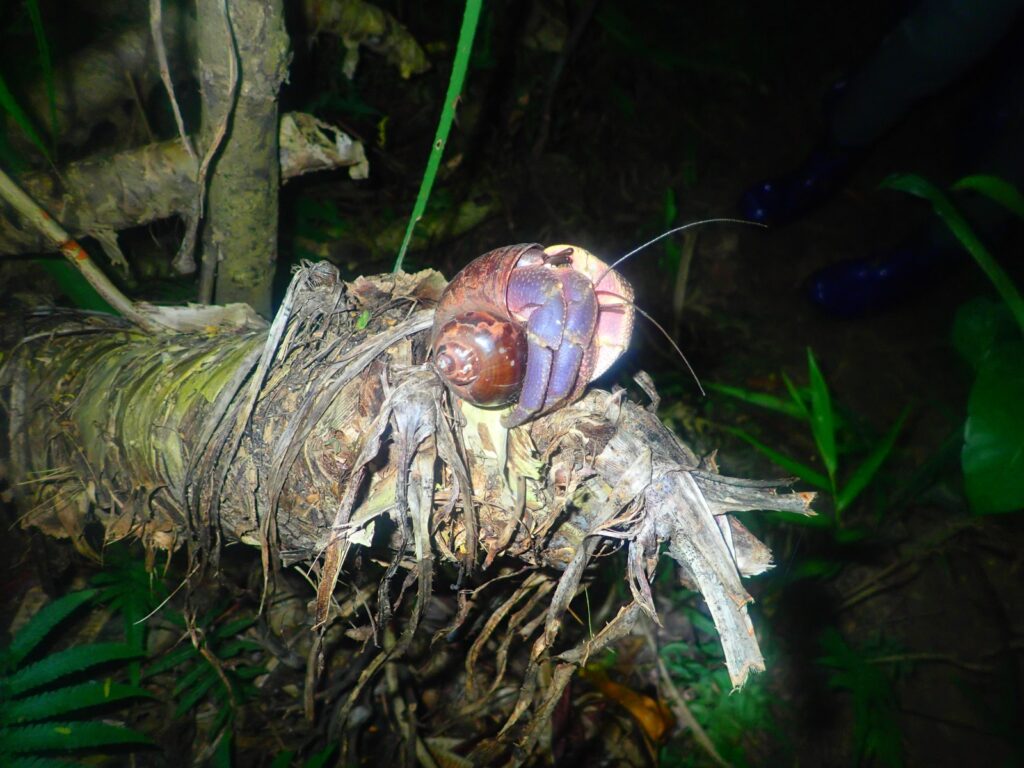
560,310
580,319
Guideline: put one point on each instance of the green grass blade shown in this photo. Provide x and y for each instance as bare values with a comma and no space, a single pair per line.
40,625
69,699
444,125
64,736
193,697
232,628
13,108
202,668
802,471
823,424
996,189
866,471
67,662
797,397
222,755
915,185
320,758
46,66
760,399
172,659
232,648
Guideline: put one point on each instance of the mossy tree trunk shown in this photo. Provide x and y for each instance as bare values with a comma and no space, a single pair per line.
243,59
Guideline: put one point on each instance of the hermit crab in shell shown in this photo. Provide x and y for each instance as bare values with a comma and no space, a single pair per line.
530,325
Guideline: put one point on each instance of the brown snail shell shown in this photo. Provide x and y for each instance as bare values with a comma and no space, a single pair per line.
482,357
479,349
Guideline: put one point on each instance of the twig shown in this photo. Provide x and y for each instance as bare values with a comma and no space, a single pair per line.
156,29
73,252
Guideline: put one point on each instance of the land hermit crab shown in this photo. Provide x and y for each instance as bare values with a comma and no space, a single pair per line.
530,325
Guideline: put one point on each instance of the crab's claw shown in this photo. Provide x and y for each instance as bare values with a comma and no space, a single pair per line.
560,310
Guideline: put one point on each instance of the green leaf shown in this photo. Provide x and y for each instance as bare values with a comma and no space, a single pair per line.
320,759
283,759
40,625
172,659
34,761
993,452
669,209
802,471
797,397
187,702
248,673
68,699
996,189
232,628
701,622
814,568
462,50
64,736
876,727
46,66
822,418
980,325
66,662
866,471
11,106
73,285
222,755
760,399
198,672
915,185
233,648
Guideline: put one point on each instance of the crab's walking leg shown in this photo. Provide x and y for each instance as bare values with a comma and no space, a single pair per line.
577,333
560,310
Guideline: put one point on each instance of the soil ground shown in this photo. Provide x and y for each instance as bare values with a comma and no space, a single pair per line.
740,100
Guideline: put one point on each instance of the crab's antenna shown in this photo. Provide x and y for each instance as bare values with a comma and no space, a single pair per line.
666,334
663,235
675,346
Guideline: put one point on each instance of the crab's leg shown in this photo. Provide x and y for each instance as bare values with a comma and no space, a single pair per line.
560,310
534,295
580,321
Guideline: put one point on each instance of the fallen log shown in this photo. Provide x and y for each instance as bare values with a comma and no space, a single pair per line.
304,438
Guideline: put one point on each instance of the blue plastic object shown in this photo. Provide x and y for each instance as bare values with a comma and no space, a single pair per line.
782,200
856,287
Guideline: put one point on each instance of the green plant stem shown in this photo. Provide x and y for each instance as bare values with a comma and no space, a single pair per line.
469,23
915,185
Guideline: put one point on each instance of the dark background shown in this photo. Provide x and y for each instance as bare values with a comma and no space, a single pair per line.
694,103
